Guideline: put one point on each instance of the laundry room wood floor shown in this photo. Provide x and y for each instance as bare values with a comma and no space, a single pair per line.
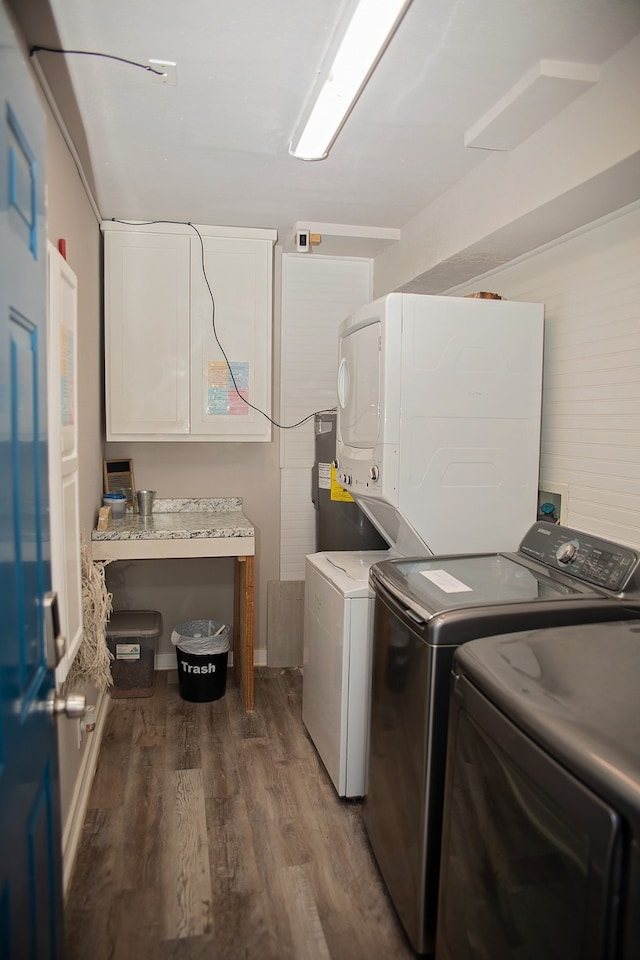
211,833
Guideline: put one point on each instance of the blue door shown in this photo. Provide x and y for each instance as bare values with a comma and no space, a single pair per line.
30,868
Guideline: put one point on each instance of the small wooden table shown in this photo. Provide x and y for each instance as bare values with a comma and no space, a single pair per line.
195,528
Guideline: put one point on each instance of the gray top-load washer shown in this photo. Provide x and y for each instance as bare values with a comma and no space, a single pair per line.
424,609
541,836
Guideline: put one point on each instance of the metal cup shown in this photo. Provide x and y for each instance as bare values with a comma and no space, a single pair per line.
145,502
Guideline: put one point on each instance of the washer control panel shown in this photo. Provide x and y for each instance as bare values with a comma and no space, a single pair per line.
581,555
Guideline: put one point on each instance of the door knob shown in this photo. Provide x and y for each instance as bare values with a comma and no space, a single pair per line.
74,705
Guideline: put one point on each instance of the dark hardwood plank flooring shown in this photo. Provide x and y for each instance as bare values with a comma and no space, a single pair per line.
212,833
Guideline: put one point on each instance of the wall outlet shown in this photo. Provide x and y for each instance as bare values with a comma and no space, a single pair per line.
558,495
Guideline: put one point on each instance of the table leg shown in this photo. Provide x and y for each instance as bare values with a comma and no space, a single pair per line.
243,629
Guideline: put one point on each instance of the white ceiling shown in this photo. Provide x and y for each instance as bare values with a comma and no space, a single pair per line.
214,148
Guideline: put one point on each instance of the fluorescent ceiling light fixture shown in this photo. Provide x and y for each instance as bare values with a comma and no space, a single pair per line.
367,34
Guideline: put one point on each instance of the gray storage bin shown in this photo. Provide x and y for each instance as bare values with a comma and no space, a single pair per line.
132,636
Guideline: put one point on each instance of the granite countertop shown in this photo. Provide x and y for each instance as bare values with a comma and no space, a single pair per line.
182,519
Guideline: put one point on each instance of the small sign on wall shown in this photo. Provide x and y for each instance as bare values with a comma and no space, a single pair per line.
227,389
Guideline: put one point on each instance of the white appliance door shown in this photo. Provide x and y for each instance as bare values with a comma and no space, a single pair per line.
369,387
359,386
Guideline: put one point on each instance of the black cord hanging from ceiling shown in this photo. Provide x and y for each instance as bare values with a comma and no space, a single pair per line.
93,53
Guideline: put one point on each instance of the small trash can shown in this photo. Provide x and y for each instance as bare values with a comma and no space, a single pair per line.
202,651
131,638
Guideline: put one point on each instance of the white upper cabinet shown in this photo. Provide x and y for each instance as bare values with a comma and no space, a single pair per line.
147,340
188,320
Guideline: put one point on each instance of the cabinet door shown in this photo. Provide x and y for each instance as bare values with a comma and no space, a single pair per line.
147,302
231,338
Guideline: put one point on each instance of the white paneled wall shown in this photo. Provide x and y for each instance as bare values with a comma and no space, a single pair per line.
590,285
317,294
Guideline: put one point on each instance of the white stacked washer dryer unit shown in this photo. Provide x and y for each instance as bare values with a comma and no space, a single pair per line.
438,437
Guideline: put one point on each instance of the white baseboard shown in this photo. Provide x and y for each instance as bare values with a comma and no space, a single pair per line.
75,820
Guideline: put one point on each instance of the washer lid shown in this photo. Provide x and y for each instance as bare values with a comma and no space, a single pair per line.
574,690
348,570
431,585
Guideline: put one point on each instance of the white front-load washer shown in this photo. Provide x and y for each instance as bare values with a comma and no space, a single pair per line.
338,622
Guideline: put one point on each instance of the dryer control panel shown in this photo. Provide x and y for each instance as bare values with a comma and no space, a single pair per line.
602,563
